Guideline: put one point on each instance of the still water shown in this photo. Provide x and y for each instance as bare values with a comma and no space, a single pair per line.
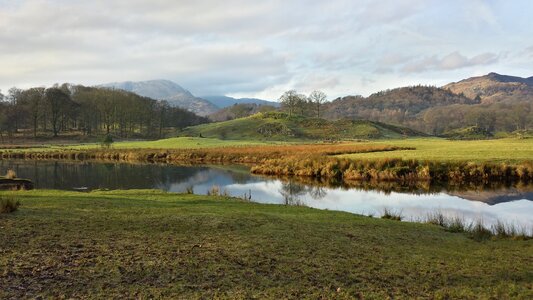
510,204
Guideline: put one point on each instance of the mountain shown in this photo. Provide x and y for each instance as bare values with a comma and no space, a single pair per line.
278,126
494,87
169,91
225,101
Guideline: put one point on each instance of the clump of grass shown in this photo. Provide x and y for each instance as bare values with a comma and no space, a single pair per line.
508,230
8,205
189,189
436,218
457,224
479,232
214,191
391,214
11,174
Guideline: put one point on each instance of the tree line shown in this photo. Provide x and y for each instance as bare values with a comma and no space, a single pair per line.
89,111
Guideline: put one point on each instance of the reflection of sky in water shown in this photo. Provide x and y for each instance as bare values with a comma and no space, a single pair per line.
237,182
412,207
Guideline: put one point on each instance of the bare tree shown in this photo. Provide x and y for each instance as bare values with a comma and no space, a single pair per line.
57,101
318,98
290,99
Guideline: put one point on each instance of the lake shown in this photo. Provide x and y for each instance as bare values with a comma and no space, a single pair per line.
507,203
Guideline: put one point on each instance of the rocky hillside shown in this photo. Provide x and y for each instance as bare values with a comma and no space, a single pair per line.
494,87
168,91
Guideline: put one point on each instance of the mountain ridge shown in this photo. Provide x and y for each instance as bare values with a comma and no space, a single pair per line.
162,89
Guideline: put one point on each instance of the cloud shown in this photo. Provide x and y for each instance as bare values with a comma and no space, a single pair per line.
249,48
452,61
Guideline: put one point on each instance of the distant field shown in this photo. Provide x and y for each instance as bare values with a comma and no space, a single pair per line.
170,143
146,244
435,149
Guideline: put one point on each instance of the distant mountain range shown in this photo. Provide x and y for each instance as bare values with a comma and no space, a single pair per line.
492,103
180,97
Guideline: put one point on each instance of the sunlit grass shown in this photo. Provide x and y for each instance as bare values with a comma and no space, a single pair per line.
436,149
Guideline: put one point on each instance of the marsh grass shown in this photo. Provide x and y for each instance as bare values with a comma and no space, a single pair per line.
8,205
391,214
478,230
216,191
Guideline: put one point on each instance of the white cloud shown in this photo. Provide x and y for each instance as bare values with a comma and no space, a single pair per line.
452,61
247,47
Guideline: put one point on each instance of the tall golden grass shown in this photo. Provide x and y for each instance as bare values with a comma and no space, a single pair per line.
311,160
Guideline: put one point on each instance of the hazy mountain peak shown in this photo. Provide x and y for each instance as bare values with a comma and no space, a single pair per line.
170,91
156,89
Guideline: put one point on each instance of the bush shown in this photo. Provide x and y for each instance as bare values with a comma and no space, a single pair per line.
8,205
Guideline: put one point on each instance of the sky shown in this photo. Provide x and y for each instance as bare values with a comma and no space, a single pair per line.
247,48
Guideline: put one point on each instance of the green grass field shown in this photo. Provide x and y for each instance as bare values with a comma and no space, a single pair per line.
149,244
170,143
436,149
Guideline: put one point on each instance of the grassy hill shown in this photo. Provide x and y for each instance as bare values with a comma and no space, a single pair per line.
279,126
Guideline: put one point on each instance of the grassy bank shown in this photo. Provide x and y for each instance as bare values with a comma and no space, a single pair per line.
142,244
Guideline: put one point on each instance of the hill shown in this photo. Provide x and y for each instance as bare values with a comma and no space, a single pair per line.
402,106
239,111
492,103
225,101
493,87
168,91
279,126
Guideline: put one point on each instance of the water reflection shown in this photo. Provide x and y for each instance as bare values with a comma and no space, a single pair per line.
489,201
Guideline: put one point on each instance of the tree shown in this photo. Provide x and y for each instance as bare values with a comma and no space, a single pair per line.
16,113
58,102
32,100
318,98
290,99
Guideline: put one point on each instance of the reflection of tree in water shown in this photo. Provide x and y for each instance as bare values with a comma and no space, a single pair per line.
291,192
317,192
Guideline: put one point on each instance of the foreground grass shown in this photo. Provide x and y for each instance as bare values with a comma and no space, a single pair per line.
509,150
143,244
